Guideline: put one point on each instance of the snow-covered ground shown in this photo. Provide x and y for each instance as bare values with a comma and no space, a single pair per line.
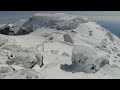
56,46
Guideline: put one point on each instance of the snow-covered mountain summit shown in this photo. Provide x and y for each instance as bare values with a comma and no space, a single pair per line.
58,45
57,21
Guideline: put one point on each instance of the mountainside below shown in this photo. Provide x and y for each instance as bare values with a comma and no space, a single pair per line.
59,46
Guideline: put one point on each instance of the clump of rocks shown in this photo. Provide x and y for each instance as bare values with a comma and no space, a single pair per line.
27,57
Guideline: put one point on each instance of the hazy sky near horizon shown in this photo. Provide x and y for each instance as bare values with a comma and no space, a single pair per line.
89,13
6,16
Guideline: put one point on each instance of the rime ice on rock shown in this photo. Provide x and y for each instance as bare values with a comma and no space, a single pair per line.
85,59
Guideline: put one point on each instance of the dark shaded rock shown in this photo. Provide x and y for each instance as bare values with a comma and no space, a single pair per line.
68,38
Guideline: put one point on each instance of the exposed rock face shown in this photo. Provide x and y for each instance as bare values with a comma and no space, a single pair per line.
12,28
5,30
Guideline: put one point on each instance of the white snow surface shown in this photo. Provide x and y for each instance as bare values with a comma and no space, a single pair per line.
56,65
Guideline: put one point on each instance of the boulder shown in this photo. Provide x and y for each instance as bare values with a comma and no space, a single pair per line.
27,60
68,38
84,60
37,54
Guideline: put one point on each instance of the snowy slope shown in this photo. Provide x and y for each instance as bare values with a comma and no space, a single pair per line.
50,42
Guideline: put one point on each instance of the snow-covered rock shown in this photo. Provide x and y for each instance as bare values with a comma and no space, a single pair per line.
27,60
12,28
68,38
5,55
85,58
37,54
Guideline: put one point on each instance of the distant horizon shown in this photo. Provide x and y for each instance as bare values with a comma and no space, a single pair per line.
108,17
8,16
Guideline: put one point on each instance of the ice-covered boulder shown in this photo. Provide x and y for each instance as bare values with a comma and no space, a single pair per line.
37,54
17,50
27,60
82,54
5,55
85,59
